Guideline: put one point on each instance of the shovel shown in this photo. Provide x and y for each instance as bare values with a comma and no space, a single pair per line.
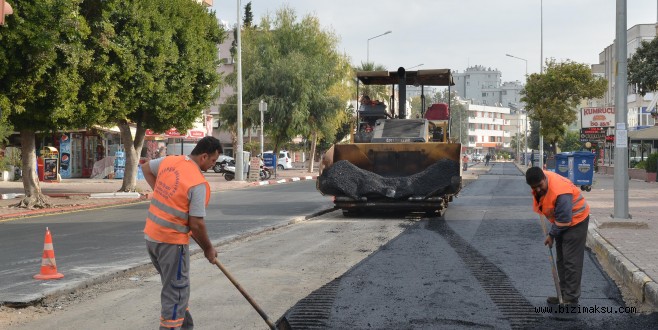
556,278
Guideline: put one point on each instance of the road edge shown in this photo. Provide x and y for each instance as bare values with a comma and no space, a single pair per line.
83,284
622,270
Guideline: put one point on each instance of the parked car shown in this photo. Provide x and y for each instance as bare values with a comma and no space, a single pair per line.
284,161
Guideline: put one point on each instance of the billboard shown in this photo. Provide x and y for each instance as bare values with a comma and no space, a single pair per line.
598,117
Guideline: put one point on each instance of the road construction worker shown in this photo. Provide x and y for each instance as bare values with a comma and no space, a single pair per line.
563,204
178,207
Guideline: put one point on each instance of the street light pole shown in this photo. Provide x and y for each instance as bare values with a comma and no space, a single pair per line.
525,147
541,71
368,44
262,107
239,166
621,106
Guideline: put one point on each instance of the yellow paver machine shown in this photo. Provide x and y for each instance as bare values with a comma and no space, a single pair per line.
393,163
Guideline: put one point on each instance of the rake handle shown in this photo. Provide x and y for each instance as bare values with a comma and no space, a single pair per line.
244,293
556,277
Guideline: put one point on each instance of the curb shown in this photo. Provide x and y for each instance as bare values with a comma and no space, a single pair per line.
622,270
57,210
293,179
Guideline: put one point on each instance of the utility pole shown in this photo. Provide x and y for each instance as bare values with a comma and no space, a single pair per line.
541,71
262,107
621,132
239,161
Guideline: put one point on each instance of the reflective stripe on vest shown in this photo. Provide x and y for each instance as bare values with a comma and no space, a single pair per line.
167,220
559,185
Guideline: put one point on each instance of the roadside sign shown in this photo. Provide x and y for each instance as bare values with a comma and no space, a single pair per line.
592,134
270,160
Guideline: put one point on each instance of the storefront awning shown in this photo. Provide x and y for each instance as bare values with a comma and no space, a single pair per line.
195,133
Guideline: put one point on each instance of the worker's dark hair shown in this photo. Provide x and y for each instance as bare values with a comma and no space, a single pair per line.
534,175
207,145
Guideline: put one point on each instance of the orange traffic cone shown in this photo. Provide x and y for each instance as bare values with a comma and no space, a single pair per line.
48,264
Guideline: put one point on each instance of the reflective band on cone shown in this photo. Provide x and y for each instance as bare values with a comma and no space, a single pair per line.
48,264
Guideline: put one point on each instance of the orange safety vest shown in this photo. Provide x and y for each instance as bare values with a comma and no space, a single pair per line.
167,218
558,185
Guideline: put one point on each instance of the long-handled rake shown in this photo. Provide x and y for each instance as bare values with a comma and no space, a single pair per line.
556,278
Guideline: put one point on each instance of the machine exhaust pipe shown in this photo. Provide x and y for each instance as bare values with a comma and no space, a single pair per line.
402,93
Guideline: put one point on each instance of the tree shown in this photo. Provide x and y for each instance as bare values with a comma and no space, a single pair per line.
571,142
295,67
41,58
643,67
154,67
552,96
375,92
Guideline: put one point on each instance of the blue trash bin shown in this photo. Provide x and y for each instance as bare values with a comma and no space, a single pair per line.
583,163
562,164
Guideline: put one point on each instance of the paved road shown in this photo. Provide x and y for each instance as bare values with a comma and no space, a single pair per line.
92,244
484,266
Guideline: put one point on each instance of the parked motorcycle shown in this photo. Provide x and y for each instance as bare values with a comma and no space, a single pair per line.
265,173
227,169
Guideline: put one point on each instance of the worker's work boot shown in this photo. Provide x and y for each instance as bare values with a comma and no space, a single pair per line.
555,301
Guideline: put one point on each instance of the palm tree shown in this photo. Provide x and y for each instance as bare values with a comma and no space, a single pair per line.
375,92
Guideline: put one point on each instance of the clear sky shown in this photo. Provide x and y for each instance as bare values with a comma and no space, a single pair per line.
456,34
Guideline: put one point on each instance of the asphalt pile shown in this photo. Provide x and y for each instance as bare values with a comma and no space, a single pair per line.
345,179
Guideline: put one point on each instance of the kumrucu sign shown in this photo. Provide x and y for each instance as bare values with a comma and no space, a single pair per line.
597,117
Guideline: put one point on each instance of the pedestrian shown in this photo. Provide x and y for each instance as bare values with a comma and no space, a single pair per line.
562,203
178,207
465,163
486,159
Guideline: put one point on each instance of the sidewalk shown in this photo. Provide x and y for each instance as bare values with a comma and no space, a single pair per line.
626,248
74,194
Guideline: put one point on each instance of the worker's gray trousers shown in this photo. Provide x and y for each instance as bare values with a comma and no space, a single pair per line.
173,263
570,248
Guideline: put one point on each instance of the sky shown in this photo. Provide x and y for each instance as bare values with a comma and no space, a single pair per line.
456,34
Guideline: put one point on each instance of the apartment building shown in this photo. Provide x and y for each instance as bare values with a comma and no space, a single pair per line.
638,112
487,129
483,86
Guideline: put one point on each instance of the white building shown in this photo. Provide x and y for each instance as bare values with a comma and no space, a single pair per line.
487,129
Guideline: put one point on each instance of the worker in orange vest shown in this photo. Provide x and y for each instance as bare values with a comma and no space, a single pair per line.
178,207
563,204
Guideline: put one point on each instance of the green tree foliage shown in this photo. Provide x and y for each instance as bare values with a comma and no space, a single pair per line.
552,97
295,67
571,142
154,66
41,58
643,67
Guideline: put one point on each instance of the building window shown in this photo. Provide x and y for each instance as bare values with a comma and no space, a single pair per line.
484,94
492,139
472,138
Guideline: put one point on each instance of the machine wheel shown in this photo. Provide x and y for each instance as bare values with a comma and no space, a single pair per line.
217,168
588,188
229,176
280,167
582,188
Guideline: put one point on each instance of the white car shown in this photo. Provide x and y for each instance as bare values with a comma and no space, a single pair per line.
284,161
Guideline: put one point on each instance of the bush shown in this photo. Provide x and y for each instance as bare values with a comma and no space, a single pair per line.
652,163
641,164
